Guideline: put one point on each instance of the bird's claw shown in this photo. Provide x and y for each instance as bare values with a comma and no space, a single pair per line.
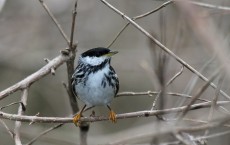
112,116
76,119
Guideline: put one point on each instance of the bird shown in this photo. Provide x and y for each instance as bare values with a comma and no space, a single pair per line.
94,81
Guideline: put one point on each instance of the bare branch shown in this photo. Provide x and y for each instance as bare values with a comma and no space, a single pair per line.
21,111
139,17
151,93
206,5
202,137
52,69
215,98
7,129
13,104
73,26
181,139
153,11
118,34
70,64
199,93
54,63
171,129
44,133
55,21
147,113
175,76
168,83
193,81
162,46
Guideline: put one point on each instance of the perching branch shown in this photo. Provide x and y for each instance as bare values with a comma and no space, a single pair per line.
148,93
147,113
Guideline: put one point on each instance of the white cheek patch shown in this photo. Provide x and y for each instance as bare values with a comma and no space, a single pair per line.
93,60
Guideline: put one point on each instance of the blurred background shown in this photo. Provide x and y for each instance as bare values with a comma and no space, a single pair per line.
28,35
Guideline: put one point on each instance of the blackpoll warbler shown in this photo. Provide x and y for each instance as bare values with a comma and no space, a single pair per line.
94,80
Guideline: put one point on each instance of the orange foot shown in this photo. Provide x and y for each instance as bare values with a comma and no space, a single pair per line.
112,116
76,119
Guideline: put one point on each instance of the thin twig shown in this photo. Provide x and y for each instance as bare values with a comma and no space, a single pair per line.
217,92
215,98
139,17
118,34
13,104
199,93
171,129
55,21
201,137
146,113
192,82
162,46
44,133
7,129
151,93
52,69
213,135
21,111
175,76
181,139
73,24
210,6
153,11
168,83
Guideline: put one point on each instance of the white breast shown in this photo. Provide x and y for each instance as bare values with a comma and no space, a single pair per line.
93,93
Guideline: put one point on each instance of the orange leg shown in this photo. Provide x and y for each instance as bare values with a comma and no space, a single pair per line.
112,115
78,116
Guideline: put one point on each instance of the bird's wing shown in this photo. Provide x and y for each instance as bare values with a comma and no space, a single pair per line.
74,81
115,77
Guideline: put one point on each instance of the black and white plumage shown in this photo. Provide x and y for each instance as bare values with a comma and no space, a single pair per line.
94,81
